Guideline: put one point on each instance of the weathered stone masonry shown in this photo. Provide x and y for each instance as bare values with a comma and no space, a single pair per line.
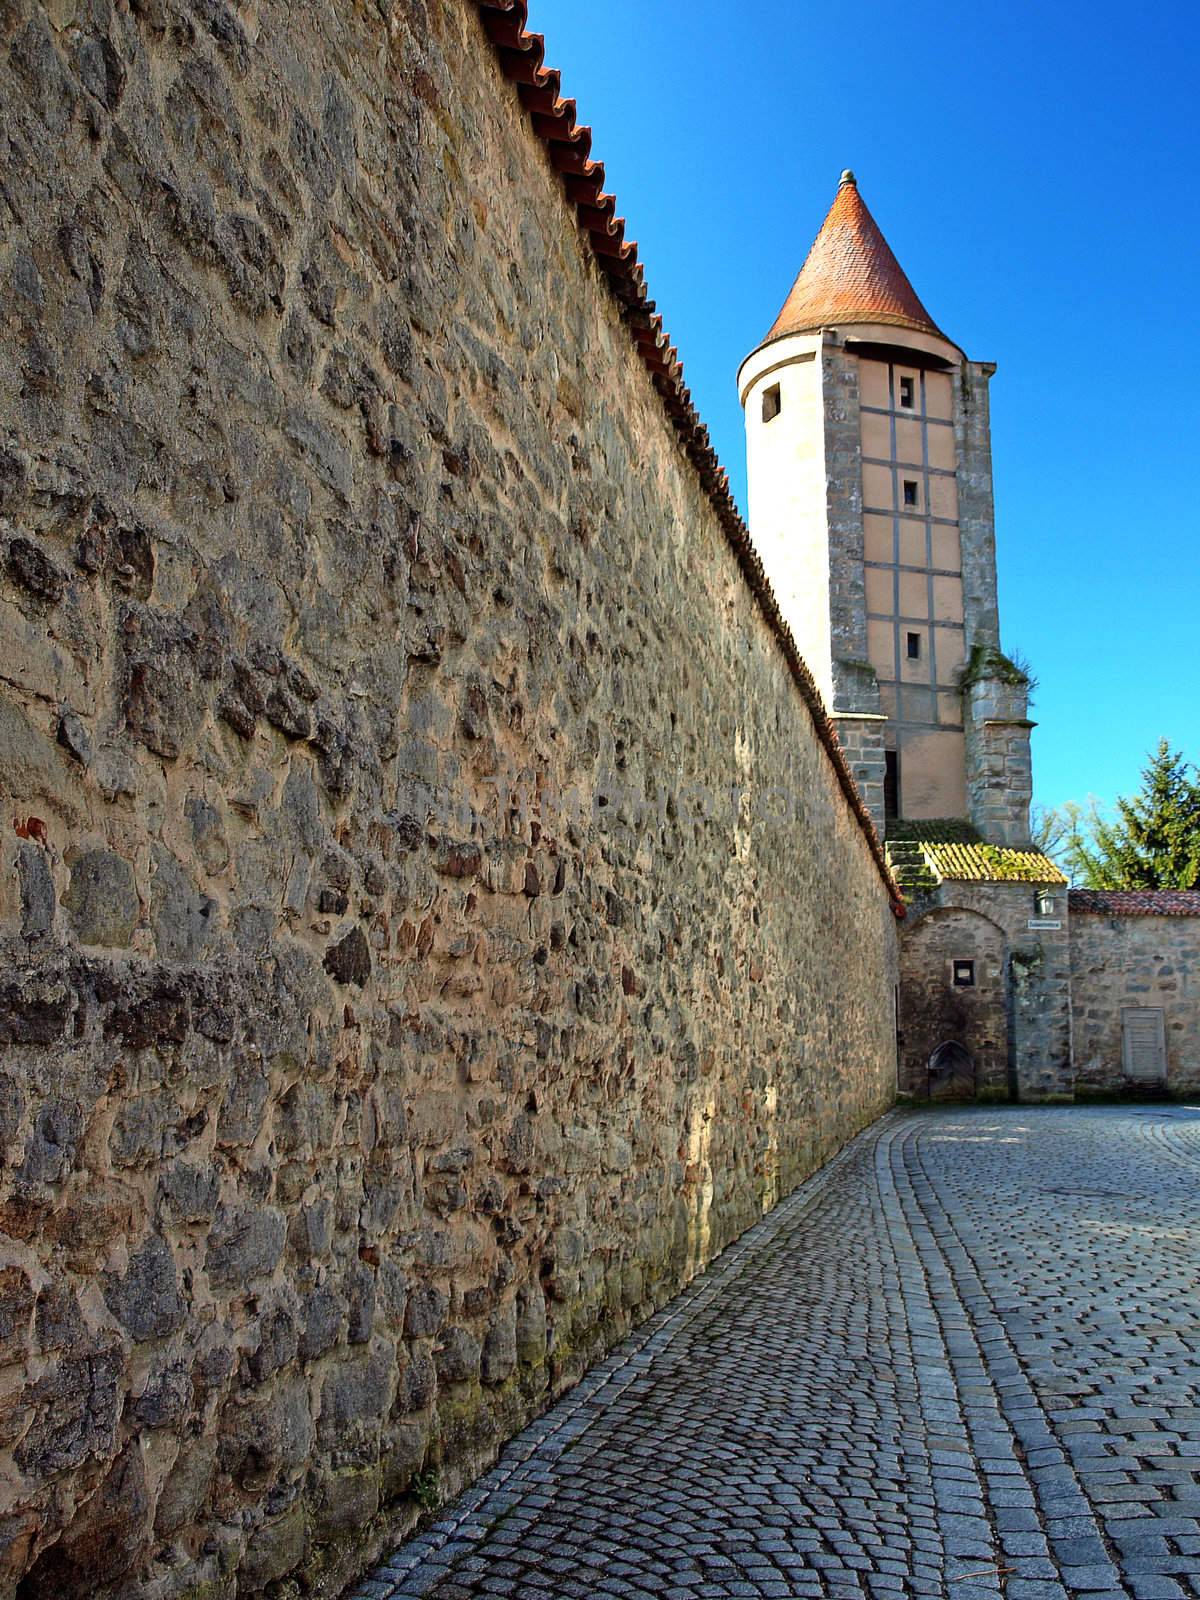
358,1083
1135,951
1017,1015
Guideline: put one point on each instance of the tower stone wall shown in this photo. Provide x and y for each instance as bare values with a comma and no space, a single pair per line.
999,764
852,677
976,505
862,739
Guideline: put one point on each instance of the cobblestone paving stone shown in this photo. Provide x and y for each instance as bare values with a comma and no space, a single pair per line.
962,1360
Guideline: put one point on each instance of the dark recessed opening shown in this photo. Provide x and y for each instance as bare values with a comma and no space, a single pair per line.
908,396
964,974
891,783
912,646
898,355
910,491
772,403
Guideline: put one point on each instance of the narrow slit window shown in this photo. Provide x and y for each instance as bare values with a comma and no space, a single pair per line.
772,403
910,491
964,974
912,646
891,783
908,393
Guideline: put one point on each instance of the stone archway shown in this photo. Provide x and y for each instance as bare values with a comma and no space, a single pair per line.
954,992
951,1072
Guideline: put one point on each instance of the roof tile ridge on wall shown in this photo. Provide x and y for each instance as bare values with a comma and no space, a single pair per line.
1136,902
568,144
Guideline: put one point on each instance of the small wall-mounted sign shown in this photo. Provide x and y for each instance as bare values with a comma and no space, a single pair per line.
1043,922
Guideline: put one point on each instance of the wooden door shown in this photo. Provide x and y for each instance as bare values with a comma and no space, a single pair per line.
1143,1045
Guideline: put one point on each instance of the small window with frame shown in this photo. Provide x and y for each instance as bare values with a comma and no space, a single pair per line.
912,646
911,492
963,973
772,403
908,393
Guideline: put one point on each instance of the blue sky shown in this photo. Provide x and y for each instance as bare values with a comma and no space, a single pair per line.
1034,167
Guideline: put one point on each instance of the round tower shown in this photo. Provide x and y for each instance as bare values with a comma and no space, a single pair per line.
869,460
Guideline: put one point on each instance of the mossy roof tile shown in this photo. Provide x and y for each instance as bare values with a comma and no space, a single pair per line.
953,851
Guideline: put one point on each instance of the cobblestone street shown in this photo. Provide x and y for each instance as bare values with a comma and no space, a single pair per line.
961,1360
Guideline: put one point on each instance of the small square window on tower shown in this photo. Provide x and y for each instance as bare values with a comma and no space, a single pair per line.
910,491
964,974
772,403
912,646
908,395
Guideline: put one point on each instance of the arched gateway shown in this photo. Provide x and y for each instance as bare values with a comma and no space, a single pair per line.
951,1074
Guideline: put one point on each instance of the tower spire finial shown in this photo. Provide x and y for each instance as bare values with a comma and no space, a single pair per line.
848,177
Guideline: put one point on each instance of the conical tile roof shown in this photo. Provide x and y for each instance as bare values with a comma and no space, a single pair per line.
851,275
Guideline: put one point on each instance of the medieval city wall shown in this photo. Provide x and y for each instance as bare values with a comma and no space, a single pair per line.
1134,961
431,928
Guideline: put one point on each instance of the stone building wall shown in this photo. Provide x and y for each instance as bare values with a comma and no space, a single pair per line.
430,927
1036,991
1134,961
934,1011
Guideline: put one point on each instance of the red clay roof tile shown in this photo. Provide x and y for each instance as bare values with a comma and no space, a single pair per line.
1136,902
850,275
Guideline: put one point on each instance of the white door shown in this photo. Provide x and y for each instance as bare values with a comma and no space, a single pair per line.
1143,1044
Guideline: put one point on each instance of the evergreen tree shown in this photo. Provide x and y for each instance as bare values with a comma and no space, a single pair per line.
1153,842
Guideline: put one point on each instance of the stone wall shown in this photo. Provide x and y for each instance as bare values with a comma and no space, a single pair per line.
976,505
934,1011
1120,961
854,684
1036,988
999,762
430,926
862,741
